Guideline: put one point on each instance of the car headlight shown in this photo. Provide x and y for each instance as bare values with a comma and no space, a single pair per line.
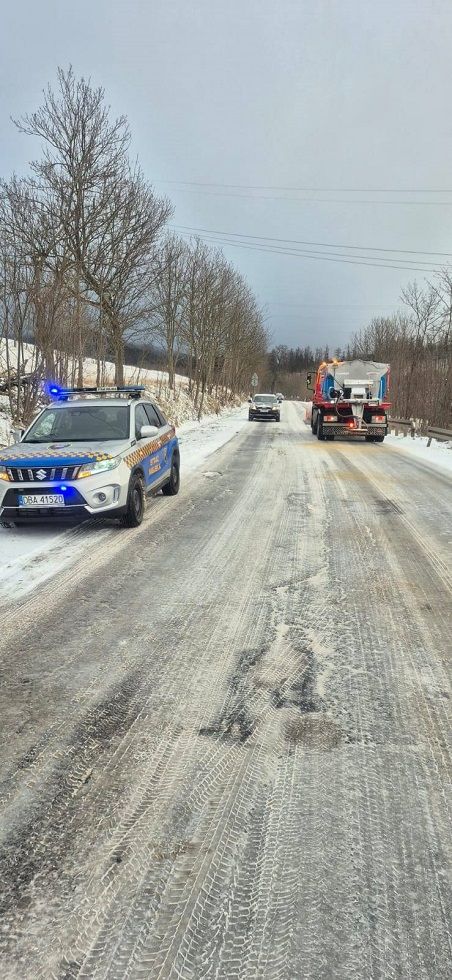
4,474
100,466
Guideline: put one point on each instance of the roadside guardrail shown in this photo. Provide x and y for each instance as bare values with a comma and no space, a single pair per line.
407,426
442,435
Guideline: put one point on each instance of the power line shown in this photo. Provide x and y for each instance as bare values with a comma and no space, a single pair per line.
335,306
311,319
313,200
295,241
314,190
319,256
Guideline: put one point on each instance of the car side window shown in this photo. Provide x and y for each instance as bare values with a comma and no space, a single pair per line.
154,418
163,420
140,419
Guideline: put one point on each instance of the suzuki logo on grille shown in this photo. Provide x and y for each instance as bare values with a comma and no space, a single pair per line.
40,474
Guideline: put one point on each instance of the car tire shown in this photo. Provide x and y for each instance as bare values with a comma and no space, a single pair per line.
278,418
135,502
171,488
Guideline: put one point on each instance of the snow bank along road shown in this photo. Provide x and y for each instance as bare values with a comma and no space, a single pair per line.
225,737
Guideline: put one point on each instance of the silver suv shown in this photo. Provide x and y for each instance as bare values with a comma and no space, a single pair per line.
264,407
92,451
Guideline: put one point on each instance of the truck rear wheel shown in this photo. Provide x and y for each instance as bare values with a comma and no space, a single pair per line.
320,433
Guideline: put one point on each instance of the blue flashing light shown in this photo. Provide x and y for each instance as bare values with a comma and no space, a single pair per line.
52,389
63,488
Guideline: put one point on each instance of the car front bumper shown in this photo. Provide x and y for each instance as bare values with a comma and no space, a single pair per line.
99,494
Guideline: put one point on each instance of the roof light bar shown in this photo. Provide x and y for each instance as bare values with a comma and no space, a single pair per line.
62,394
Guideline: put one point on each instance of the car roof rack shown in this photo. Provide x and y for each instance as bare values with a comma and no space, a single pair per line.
63,394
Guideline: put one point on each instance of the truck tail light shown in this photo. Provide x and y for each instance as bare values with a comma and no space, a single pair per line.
329,418
379,418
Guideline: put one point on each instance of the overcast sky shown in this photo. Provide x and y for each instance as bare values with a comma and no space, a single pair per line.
307,121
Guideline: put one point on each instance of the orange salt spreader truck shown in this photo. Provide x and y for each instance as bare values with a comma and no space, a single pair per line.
350,399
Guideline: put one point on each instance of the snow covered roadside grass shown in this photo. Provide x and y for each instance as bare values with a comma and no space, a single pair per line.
438,455
5,427
198,440
30,556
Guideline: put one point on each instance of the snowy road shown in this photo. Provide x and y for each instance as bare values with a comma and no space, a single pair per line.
225,738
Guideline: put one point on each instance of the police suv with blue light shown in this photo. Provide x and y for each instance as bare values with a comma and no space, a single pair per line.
92,451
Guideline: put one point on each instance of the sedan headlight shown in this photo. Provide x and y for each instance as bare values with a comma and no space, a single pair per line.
99,466
4,475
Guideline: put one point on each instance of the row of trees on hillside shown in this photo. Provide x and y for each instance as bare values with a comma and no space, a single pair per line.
417,343
89,266
286,368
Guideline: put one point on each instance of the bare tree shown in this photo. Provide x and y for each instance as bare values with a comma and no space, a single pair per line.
170,288
104,215
85,269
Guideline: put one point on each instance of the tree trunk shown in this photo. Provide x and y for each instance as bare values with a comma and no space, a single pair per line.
78,320
170,362
118,342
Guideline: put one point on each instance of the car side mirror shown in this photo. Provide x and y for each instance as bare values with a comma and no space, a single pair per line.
250,399
148,431
17,434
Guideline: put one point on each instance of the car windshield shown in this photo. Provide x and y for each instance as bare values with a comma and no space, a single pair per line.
87,423
265,399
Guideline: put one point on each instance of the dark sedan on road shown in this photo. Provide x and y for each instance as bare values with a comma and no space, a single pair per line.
264,407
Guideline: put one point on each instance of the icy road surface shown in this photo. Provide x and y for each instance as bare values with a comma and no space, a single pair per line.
225,737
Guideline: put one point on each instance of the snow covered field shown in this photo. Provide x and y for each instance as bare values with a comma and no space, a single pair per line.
176,404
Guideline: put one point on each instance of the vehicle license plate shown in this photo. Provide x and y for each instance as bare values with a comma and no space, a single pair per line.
41,500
